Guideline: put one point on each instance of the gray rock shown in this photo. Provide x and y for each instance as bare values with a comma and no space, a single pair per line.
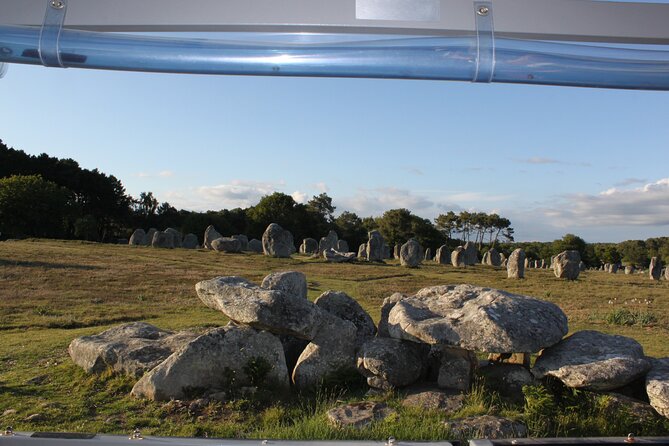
428,255
629,269
515,267
330,353
213,358
527,263
309,246
333,256
210,234
328,242
35,418
162,240
655,268
484,260
176,235
479,319
593,360
345,307
581,266
132,348
486,426
226,244
392,362
271,310
190,241
342,246
657,386
387,254
137,237
566,265
362,251
443,255
292,349
494,258
666,274
374,248
458,257
429,398
639,411
255,245
292,283
358,415
148,239
456,367
388,304
243,241
396,251
277,242
471,253
411,254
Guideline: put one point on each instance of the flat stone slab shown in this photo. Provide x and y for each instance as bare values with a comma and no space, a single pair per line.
657,385
478,319
358,415
486,426
430,398
592,360
132,348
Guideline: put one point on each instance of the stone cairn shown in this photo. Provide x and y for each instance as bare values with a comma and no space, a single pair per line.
431,338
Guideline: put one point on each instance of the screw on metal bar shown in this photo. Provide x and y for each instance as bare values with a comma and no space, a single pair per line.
57,4
9,432
630,438
483,10
264,443
391,441
136,435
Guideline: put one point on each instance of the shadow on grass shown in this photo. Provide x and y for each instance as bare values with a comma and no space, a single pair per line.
67,324
38,264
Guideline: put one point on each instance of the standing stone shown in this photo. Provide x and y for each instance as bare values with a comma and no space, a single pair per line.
411,254
458,257
428,254
255,245
396,251
328,242
226,244
277,242
484,259
515,267
137,237
162,240
629,269
309,246
527,263
176,235
190,241
243,241
655,268
362,251
614,268
494,258
386,251
149,236
210,234
566,265
471,254
443,256
292,283
342,246
374,249
666,274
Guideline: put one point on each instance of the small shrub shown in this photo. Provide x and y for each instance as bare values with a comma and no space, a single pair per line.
623,316
257,370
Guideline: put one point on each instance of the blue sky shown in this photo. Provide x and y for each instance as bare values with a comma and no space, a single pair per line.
553,160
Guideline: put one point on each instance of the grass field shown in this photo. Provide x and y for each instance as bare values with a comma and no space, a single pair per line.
53,291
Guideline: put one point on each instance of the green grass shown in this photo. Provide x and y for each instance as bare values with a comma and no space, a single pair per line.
53,291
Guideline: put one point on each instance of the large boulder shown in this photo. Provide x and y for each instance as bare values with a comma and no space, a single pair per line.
255,245
456,367
328,242
566,265
132,348
162,240
293,283
657,386
458,257
210,234
330,354
493,257
345,307
243,241
137,237
272,310
334,256
176,235
148,239
190,241
471,253
374,250
389,363
443,255
212,360
592,360
342,246
477,318
277,242
309,246
226,244
411,254
655,268
515,267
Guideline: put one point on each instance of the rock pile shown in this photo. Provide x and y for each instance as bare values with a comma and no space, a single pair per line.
169,238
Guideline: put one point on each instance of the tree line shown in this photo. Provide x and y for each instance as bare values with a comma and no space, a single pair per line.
44,196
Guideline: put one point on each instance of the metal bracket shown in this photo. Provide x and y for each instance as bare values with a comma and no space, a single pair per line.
49,52
485,42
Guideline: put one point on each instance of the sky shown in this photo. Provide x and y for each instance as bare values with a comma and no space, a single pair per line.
554,160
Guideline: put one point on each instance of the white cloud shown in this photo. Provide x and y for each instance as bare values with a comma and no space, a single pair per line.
321,187
542,160
630,181
164,174
300,197
235,194
374,202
